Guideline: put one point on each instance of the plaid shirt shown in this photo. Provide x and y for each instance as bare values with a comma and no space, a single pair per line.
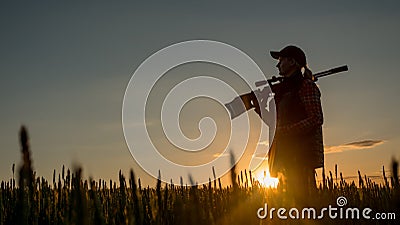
309,95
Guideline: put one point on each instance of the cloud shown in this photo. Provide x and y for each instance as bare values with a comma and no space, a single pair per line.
264,143
261,155
217,155
357,145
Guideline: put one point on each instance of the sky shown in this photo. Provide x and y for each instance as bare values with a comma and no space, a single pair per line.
65,66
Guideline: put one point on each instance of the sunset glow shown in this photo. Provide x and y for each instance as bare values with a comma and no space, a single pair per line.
265,179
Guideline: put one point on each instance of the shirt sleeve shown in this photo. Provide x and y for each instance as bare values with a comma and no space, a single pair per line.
310,97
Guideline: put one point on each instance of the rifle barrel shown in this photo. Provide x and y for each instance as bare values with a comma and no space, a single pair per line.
331,71
317,75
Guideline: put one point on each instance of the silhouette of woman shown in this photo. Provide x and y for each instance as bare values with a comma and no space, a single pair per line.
297,148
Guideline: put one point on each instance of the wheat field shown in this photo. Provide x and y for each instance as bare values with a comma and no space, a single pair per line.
70,199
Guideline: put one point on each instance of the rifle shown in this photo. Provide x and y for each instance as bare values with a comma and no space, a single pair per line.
247,101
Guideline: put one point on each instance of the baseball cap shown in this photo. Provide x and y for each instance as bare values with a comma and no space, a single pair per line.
291,51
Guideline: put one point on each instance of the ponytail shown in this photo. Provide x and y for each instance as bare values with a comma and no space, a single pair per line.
307,73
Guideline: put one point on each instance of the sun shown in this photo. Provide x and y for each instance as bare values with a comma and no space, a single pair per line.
265,179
